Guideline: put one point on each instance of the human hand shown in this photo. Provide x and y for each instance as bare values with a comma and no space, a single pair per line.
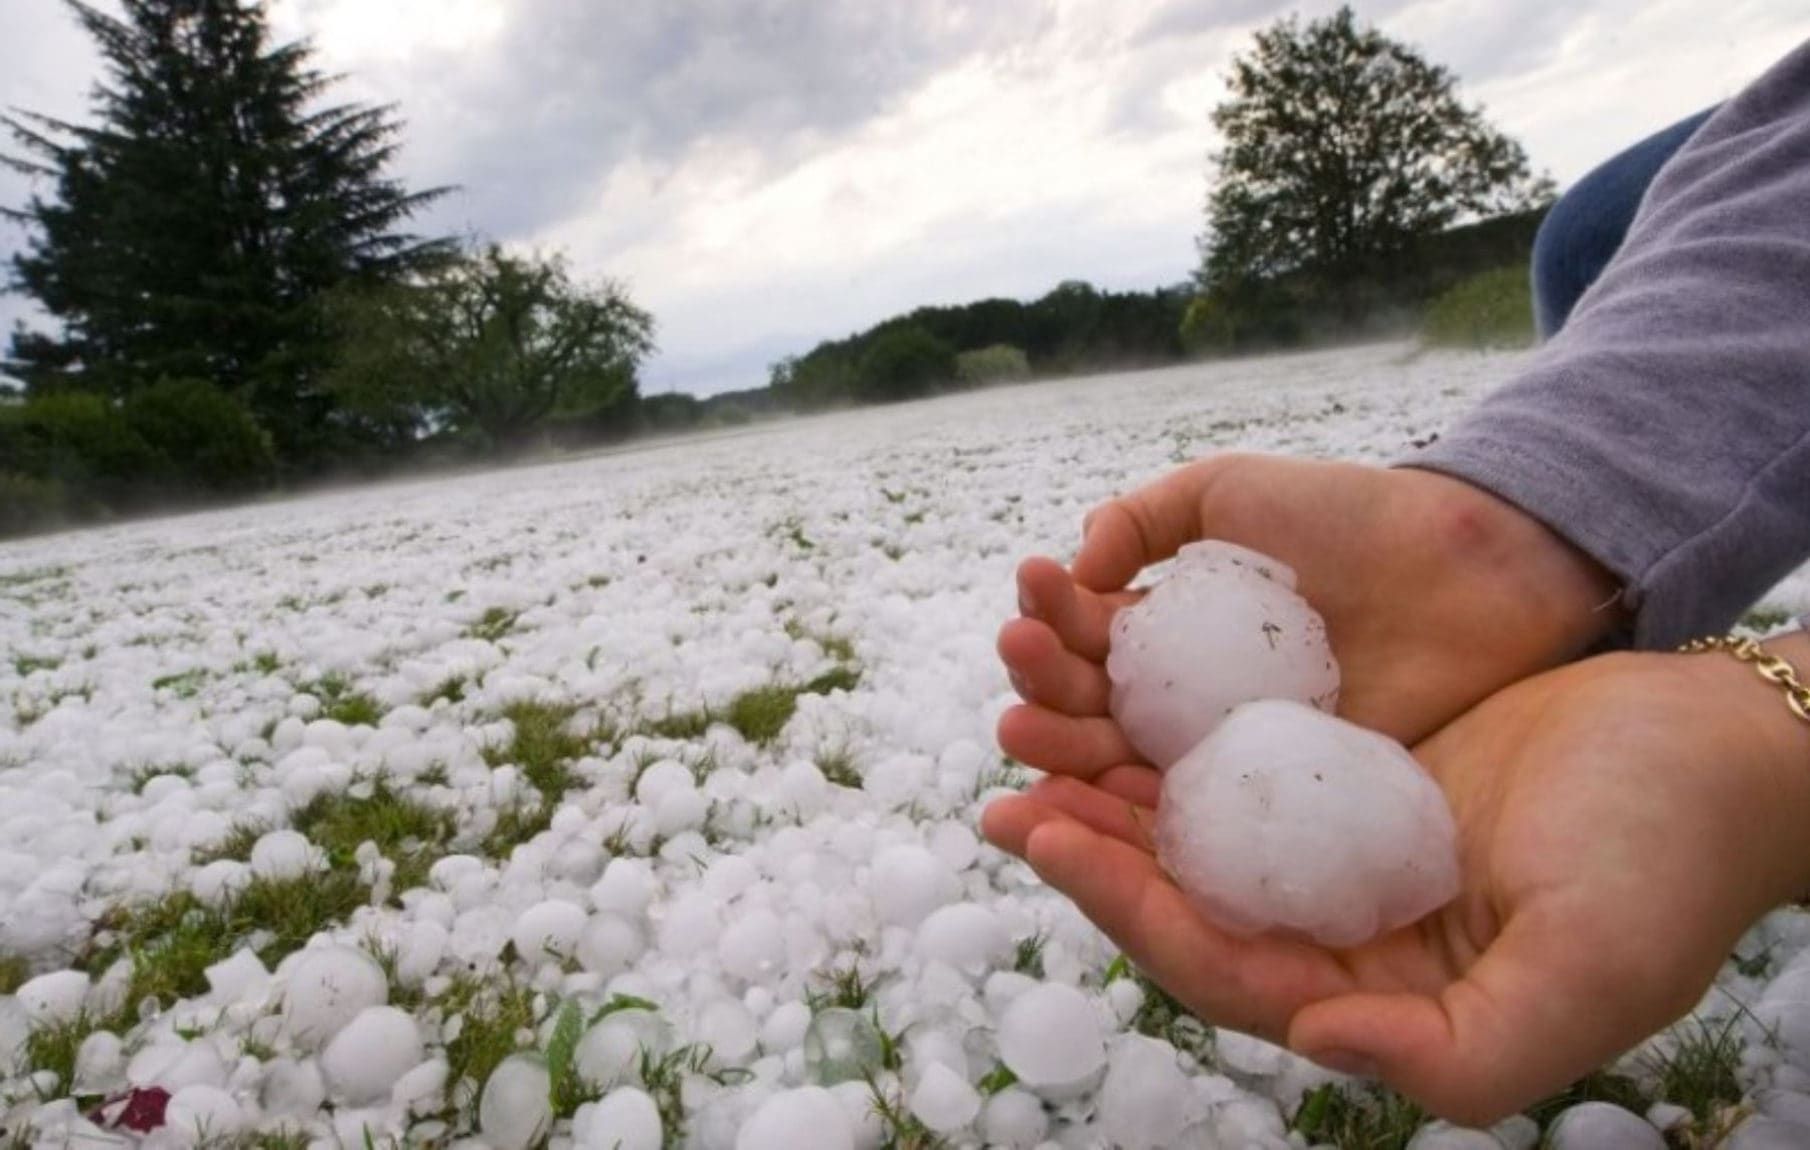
1435,594
1621,822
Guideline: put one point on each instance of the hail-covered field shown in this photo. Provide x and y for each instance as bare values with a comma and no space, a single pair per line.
631,801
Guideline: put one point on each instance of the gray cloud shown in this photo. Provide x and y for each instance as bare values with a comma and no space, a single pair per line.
568,91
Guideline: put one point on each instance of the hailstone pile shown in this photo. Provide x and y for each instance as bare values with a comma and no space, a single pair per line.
1275,814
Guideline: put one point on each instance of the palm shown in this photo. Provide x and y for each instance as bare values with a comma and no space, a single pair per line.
1434,594
1581,815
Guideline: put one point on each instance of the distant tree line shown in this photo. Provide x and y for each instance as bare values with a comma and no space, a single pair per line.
1075,327
238,302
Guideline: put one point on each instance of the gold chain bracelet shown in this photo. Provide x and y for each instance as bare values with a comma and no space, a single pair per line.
1770,667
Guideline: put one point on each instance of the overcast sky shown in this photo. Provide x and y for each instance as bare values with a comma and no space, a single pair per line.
768,173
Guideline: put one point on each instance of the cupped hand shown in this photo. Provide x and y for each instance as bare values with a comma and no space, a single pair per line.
1621,822
1435,594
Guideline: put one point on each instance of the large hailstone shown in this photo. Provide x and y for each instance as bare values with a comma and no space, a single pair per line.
1288,818
1224,628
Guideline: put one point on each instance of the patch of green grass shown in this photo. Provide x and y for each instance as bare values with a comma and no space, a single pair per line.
1700,1072
762,713
543,746
1161,1015
452,689
410,834
14,973
1027,957
681,725
24,665
493,625
663,1077
141,777
1357,1119
184,685
53,1048
495,1014
838,766
235,846
840,986
341,703
1599,1086
1764,619
173,940
1494,309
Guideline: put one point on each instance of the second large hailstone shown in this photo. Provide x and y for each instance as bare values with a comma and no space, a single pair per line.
1285,818
1225,627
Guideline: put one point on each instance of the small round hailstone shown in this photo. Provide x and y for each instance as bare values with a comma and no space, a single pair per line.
1444,1136
1146,1101
842,1045
965,935
1224,628
514,1112
908,883
1015,1119
1288,818
327,988
280,855
1050,1036
753,945
54,998
548,931
609,944
365,1059
729,1030
203,1113
809,1116
627,886
625,1119
1603,1126
944,1101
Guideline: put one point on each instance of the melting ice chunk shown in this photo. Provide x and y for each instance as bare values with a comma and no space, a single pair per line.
1288,818
1224,628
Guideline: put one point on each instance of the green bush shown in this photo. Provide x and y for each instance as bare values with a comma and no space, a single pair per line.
209,438
904,362
81,441
996,364
31,504
1494,309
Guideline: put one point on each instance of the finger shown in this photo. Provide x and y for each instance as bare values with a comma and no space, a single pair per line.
1047,673
1102,810
1065,744
1535,1013
1081,618
1253,985
1125,535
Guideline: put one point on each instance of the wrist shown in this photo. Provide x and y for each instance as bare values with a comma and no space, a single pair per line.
1566,600
1770,746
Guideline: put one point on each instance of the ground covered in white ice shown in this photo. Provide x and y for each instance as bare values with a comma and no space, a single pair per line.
631,802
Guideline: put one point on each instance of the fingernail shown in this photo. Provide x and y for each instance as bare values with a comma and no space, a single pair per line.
1346,1062
1025,606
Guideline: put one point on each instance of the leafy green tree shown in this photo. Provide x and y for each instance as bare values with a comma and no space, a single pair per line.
191,229
903,362
488,346
1342,148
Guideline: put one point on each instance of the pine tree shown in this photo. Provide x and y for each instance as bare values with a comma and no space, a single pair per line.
197,224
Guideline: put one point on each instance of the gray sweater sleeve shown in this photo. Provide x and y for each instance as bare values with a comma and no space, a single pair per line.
1666,429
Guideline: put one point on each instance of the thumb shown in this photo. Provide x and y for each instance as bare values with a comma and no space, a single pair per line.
1123,536
1534,1014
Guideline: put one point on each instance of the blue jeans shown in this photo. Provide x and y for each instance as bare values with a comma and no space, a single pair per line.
1588,223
